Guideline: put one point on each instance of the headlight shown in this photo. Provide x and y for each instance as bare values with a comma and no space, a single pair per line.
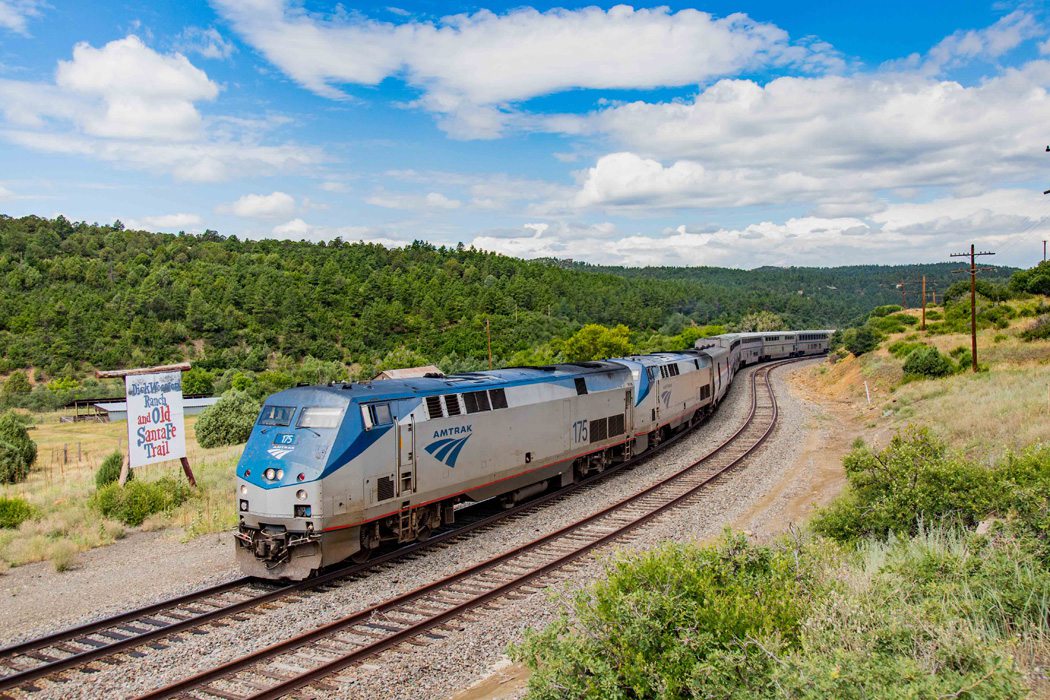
301,494
244,490
270,474
280,474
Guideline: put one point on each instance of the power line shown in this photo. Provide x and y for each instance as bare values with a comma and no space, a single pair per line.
973,295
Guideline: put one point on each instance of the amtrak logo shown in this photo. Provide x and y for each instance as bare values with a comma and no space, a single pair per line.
666,398
446,449
279,451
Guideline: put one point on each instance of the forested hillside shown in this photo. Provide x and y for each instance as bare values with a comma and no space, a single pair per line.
76,296
827,296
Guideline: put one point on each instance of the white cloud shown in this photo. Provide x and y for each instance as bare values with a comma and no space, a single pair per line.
6,194
292,229
334,186
166,222
297,229
1009,221
141,93
15,14
127,104
208,43
472,67
263,206
965,46
828,140
431,200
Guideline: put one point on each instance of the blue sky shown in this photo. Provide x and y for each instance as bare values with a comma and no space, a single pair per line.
728,133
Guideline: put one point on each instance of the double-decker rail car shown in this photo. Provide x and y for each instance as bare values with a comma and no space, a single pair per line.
777,345
812,342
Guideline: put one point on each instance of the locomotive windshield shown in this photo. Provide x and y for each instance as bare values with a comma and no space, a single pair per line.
320,417
276,415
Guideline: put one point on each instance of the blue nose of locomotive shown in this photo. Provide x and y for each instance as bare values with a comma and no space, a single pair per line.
294,436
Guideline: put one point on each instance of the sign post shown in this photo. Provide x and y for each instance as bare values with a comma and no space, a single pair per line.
156,429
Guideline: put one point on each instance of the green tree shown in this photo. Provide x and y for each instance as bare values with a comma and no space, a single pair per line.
198,381
229,421
17,450
17,383
597,342
860,340
760,322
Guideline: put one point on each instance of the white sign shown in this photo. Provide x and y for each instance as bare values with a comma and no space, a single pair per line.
156,431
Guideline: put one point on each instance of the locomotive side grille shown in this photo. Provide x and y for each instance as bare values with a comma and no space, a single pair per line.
617,425
498,398
476,401
384,488
434,407
599,429
452,404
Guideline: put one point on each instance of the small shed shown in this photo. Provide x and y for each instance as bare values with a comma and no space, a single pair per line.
409,372
115,411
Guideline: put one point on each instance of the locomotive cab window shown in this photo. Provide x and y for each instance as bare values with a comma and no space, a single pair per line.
320,417
376,414
276,415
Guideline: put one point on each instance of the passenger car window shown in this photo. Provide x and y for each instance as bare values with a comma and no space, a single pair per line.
276,415
320,417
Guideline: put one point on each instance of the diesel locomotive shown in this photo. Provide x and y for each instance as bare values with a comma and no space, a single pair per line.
331,473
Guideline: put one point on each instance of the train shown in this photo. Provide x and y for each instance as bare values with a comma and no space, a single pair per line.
332,473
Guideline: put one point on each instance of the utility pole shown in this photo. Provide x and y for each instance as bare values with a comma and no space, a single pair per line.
973,297
488,334
904,296
923,326
1044,251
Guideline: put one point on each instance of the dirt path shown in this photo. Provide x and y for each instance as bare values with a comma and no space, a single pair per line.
141,569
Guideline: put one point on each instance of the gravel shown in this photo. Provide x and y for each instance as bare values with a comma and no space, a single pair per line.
444,667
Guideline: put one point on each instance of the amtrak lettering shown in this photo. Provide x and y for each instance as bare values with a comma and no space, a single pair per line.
446,449
454,430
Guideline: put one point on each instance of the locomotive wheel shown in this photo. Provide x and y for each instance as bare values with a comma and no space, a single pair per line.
361,556
424,533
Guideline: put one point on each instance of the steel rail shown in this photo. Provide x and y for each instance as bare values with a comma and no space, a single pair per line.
229,670
112,635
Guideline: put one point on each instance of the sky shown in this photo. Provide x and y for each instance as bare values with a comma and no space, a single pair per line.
738,134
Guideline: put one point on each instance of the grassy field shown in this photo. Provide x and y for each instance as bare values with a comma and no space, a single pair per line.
1005,408
61,484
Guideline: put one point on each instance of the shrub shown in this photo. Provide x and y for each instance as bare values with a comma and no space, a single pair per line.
17,383
198,381
906,319
137,500
885,310
229,421
1038,330
933,315
17,450
63,555
676,622
928,362
860,340
109,471
913,480
14,511
902,348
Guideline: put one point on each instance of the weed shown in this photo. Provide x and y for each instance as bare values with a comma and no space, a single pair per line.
14,511
63,555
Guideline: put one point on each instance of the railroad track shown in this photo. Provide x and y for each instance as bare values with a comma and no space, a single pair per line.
158,625
420,616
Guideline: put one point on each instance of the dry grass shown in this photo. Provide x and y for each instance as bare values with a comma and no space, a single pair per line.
64,523
985,415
